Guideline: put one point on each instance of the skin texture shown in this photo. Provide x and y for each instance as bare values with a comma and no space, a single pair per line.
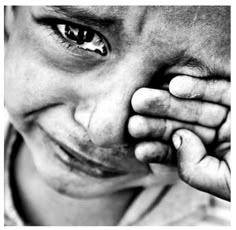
193,157
96,104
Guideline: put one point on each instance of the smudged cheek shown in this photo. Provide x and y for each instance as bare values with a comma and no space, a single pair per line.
30,86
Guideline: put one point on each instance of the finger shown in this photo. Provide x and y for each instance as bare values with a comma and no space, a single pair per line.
223,133
217,91
162,129
155,152
202,171
161,103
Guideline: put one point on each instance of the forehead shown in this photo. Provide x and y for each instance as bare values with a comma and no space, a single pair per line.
139,16
183,13
201,31
144,19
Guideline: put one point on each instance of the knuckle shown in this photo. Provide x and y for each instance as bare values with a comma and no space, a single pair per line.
212,114
164,129
207,134
151,101
156,103
224,130
226,96
169,157
219,114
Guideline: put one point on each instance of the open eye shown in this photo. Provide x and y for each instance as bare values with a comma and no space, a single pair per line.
83,38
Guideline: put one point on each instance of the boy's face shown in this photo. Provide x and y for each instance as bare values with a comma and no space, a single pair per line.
70,73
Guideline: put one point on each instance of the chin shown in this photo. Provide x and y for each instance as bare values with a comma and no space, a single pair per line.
92,188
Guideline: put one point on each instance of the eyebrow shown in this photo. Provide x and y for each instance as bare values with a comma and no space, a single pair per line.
85,15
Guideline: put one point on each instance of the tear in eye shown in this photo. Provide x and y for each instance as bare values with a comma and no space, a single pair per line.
84,38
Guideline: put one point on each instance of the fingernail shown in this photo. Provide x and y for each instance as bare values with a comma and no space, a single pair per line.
177,141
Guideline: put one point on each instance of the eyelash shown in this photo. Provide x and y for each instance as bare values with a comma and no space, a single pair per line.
96,43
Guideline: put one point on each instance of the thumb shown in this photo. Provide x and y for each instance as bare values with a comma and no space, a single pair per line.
197,168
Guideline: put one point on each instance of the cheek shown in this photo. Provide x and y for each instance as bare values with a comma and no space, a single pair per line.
29,85
33,84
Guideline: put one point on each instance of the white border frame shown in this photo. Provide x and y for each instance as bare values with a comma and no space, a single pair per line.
118,2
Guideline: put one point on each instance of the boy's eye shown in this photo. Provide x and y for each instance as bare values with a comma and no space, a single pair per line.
83,38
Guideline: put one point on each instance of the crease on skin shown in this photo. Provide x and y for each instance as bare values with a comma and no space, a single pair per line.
193,95
91,116
142,21
195,16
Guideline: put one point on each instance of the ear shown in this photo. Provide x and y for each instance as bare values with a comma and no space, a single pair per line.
9,18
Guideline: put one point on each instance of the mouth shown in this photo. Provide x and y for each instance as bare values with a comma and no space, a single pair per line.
77,162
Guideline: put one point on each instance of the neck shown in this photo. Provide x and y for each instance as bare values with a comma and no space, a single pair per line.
44,206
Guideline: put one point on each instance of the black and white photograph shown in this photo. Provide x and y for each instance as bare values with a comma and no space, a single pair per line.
117,115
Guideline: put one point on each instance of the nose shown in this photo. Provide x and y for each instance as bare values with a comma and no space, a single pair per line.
106,121
107,126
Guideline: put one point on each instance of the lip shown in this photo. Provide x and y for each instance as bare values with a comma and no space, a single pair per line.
76,161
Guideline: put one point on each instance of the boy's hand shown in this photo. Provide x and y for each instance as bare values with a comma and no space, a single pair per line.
207,170
160,114
204,122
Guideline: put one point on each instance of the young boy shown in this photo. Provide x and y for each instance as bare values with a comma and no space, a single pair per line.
108,105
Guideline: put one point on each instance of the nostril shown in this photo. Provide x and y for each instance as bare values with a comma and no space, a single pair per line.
83,114
108,121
